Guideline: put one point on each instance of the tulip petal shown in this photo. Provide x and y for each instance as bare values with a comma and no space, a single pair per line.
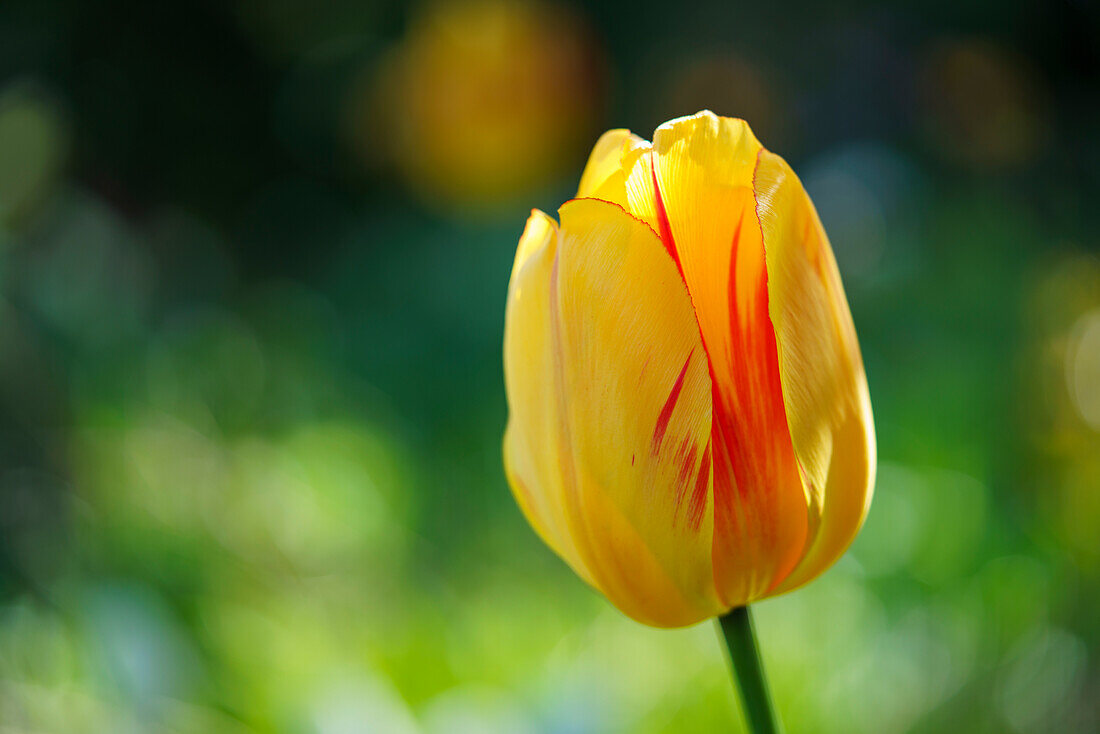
603,175
703,201
531,416
824,387
607,447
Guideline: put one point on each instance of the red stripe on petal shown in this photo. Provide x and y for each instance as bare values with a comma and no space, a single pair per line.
664,227
685,457
670,404
698,502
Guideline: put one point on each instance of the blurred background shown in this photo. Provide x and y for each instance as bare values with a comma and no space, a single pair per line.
253,264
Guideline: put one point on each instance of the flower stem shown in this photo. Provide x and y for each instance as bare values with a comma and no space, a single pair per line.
748,669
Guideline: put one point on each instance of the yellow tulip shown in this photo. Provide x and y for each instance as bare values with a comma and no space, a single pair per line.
690,427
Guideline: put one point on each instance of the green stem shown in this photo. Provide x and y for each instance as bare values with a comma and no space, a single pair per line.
748,669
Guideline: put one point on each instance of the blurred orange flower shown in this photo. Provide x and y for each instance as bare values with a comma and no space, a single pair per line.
484,101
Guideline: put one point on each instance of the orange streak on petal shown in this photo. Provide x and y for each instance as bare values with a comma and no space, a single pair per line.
705,211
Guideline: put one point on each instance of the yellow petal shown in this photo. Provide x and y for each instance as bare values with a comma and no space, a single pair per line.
824,387
604,168
609,399
640,199
527,362
702,169
619,170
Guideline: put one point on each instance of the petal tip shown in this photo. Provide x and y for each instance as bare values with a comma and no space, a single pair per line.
537,233
733,132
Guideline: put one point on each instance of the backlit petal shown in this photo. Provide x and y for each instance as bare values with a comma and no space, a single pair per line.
824,387
603,175
705,210
607,447
533,418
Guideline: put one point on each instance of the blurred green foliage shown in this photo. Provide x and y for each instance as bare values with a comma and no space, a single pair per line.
250,376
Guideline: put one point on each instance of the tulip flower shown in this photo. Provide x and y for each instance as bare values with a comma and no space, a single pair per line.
690,427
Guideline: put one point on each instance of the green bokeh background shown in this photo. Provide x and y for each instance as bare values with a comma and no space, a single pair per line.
251,396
